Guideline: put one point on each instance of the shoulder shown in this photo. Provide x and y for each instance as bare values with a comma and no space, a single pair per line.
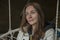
20,32
19,36
49,34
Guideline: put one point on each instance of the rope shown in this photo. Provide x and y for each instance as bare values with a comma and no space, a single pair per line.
10,20
56,19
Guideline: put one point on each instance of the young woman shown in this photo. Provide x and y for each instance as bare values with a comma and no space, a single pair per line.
33,24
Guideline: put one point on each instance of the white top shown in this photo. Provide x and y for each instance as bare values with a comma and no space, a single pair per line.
49,35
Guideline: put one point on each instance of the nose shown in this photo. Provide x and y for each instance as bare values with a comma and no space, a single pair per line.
30,16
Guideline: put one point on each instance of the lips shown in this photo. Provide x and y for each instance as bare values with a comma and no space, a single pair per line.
30,20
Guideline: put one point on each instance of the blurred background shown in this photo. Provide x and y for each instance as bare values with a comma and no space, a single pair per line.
48,7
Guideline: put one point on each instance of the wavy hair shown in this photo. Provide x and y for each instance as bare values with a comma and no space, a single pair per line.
39,32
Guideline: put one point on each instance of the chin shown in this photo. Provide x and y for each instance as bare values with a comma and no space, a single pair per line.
31,23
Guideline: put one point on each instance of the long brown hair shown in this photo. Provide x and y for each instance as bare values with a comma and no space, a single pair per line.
39,32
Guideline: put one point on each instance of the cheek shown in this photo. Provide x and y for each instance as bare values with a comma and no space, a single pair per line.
35,17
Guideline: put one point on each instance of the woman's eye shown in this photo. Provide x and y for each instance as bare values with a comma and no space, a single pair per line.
33,12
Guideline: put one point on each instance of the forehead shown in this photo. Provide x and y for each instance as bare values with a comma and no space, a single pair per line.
30,8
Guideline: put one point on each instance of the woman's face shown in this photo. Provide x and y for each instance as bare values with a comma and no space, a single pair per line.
31,15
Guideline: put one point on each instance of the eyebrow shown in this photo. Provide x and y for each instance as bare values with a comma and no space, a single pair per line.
32,11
